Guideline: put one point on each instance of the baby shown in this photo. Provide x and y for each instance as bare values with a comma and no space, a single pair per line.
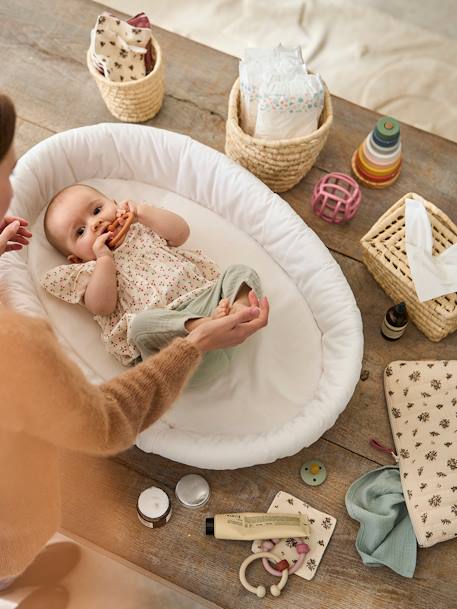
146,291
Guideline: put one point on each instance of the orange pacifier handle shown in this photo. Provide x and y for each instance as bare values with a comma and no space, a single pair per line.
120,236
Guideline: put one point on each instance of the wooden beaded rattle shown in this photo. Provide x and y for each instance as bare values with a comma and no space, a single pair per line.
301,548
118,238
260,591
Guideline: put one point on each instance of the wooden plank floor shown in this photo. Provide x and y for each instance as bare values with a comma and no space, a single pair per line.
46,75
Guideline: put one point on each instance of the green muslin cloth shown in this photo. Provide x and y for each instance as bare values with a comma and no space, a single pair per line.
386,535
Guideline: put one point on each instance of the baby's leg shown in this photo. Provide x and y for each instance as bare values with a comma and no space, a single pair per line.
239,280
153,329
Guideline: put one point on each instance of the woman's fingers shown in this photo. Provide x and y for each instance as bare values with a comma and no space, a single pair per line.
244,316
24,233
9,219
17,238
13,246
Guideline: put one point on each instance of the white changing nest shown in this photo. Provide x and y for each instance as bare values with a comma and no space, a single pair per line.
289,382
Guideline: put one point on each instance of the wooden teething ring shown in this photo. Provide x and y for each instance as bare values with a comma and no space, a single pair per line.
260,591
127,219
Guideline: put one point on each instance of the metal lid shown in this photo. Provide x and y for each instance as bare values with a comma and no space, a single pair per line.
192,491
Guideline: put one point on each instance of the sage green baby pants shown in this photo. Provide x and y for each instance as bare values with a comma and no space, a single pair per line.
155,328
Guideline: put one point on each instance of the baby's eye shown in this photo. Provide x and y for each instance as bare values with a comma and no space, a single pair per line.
80,231
97,210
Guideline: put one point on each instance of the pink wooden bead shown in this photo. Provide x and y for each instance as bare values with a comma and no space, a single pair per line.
302,548
282,565
267,546
336,198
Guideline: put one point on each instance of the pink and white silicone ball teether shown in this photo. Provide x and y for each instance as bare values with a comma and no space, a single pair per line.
336,198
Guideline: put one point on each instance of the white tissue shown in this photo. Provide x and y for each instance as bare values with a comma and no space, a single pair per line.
433,276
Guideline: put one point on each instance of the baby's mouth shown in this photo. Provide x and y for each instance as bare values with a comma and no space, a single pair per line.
105,229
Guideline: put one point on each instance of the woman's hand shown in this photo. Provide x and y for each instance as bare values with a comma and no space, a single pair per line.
233,329
13,234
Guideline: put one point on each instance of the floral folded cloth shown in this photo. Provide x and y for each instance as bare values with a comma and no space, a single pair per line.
321,527
122,50
422,404
279,99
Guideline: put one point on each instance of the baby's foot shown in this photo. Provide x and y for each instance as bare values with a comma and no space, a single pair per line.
237,306
222,309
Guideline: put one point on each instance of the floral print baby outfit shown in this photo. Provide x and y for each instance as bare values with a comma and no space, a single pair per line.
150,274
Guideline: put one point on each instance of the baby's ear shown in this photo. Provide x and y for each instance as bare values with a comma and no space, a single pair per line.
74,259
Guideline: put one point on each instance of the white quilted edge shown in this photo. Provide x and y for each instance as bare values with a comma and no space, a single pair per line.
179,164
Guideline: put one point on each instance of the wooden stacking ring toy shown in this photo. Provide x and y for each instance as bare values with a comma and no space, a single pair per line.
377,161
124,223
336,198
301,548
260,591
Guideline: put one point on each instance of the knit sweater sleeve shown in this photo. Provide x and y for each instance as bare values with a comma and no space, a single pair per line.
45,395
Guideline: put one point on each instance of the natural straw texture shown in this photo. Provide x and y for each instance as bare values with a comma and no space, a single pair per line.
137,100
385,257
279,163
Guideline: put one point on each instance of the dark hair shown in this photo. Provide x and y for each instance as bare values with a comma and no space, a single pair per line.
7,124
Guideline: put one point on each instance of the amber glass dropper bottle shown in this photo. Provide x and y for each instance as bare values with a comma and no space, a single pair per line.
395,322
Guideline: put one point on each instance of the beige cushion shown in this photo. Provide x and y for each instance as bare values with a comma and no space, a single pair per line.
422,404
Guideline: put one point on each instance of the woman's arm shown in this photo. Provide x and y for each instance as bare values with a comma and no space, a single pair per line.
46,395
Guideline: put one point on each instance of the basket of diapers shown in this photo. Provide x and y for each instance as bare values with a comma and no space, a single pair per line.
279,117
125,61
411,251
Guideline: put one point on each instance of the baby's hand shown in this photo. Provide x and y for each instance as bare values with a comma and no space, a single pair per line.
100,248
127,206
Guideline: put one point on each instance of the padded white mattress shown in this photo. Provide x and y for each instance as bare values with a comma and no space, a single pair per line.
290,381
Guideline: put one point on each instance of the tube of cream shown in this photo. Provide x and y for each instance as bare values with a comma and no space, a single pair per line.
250,526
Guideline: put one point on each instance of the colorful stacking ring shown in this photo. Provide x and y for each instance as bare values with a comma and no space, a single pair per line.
377,161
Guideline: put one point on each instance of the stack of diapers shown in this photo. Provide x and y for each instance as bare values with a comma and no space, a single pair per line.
422,492
279,98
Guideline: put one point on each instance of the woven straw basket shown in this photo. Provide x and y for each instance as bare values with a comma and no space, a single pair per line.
385,257
279,163
135,101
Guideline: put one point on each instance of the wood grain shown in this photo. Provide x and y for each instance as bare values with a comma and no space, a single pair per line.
100,498
47,77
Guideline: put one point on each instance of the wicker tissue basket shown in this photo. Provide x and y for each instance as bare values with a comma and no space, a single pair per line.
279,163
385,257
135,101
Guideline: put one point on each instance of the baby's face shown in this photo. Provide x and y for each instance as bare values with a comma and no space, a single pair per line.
77,219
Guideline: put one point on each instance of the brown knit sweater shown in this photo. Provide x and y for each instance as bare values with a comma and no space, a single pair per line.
47,404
